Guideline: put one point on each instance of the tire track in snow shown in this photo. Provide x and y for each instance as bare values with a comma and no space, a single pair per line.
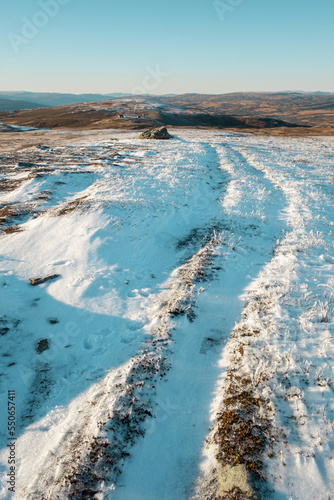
229,226
242,421
109,425
261,351
118,407
303,340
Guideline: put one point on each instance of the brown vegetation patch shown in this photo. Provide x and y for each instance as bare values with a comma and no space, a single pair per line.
303,109
11,184
45,195
242,430
235,493
6,212
11,229
74,205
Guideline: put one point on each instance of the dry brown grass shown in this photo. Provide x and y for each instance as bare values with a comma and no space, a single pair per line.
7,211
11,229
11,184
242,431
74,205
234,493
302,109
16,211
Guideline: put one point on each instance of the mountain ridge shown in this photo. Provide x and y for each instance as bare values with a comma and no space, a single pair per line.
252,111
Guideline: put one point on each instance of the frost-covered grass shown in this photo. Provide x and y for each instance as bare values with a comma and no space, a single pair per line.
192,319
282,346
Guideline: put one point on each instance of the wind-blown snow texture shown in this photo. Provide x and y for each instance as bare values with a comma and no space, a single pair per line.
163,250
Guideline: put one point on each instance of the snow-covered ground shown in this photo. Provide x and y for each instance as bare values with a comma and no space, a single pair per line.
166,252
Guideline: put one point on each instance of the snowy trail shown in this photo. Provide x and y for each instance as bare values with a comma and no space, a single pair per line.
180,426
161,247
99,189
303,384
294,352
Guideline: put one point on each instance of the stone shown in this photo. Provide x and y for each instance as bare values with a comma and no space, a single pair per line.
53,321
238,477
156,133
42,345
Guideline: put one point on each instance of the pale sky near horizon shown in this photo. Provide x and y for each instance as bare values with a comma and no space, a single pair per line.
207,46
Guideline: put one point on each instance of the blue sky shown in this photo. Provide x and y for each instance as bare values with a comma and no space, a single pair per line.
167,47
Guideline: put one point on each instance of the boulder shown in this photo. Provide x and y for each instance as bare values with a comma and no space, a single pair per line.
238,480
156,133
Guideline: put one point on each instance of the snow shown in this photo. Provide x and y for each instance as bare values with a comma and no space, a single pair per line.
14,128
164,249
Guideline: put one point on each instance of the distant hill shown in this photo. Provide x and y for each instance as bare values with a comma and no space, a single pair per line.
132,114
315,109
14,105
303,108
58,99
248,111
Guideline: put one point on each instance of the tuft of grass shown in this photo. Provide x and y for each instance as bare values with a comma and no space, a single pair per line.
235,493
13,211
242,433
11,229
73,205
10,185
6,211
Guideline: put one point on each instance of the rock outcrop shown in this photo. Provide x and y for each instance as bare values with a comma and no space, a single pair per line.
156,133
238,481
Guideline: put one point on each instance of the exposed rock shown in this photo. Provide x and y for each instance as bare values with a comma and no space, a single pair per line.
25,164
156,133
4,330
238,480
53,321
39,281
42,345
